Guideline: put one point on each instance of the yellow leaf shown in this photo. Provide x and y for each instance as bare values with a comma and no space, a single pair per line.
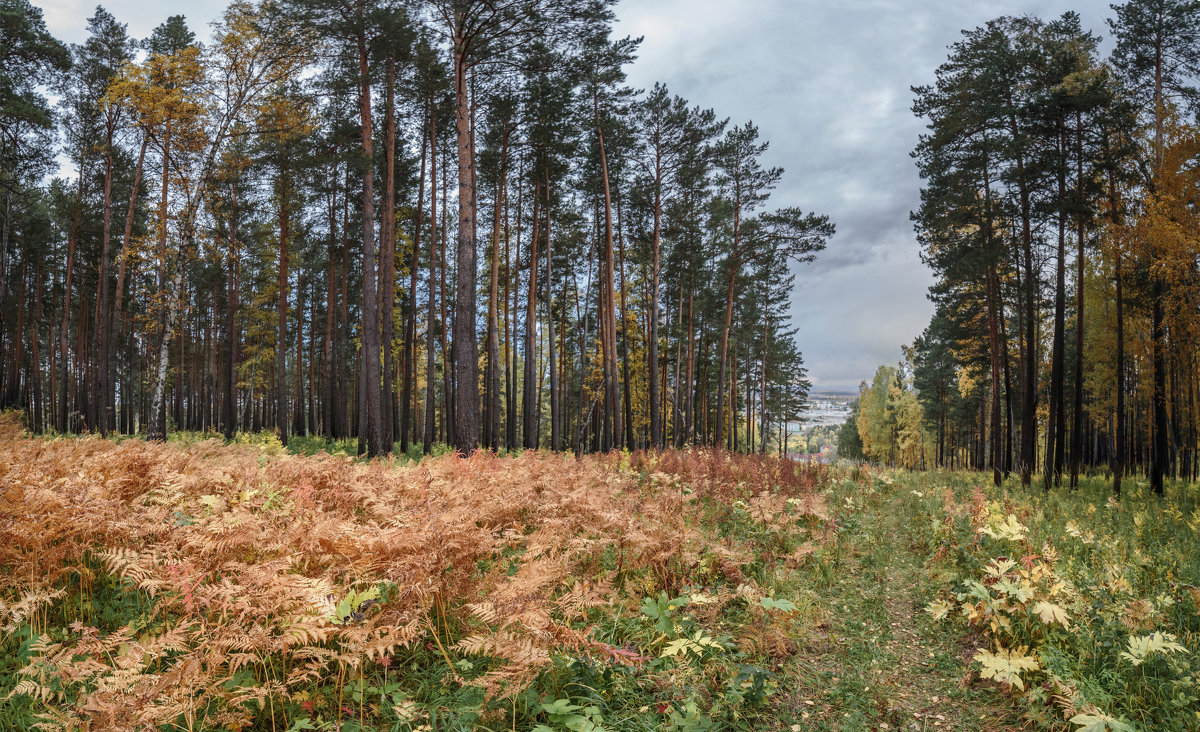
938,609
1006,665
1052,614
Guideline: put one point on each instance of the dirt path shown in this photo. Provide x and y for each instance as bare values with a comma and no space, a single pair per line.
880,663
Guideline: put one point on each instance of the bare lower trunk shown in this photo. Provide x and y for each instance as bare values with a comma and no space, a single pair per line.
118,295
492,377
387,263
410,328
656,430
555,436
281,396
63,408
101,409
369,389
466,350
157,429
430,342
608,300
529,392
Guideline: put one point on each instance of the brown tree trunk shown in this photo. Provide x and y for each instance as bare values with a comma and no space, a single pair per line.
734,264
608,302
656,428
555,436
512,416
627,392
1118,463
446,321
1158,451
410,327
1055,428
689,431
1081,238
63,408
327,371
466,351
529,390
38,417
101,402
492,375
387,264
1029,385
281,395
369,390
430,343
118,295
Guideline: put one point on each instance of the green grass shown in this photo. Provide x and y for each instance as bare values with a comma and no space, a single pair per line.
1118,571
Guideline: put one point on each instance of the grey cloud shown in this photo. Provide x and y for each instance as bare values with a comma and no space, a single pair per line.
828,85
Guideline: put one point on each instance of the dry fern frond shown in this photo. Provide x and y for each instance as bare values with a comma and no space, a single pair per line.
245,556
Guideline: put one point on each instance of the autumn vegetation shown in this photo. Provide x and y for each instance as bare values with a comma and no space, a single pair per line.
208,586
408,223
1058,214
374,365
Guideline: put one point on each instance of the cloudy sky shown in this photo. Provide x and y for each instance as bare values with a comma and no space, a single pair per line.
828,84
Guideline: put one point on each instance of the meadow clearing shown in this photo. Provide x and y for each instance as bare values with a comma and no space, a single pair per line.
196,585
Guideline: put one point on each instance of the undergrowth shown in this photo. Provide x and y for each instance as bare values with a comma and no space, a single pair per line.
1084,607
202,586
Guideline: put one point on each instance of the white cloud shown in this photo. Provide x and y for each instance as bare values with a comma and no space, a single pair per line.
67,19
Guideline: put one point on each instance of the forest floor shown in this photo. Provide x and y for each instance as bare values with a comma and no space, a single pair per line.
880,661
239,587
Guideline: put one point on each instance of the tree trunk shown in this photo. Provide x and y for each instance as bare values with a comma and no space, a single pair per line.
387,264
1055,427
492,376
1029,385
101,409
38,417
281,395
608,301
327,370
529,392
510,438
430,343
118,296
656,430
734,264
63,408
410,328
1158,453
1118,463
369,389
466,351
627,392
1081,238
555,436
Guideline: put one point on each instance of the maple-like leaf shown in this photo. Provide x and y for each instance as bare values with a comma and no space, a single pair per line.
1010,529
939,609
694,645
1006,665
1099,723
1052,614
1141,648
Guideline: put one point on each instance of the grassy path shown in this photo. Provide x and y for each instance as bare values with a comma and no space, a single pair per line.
878,661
